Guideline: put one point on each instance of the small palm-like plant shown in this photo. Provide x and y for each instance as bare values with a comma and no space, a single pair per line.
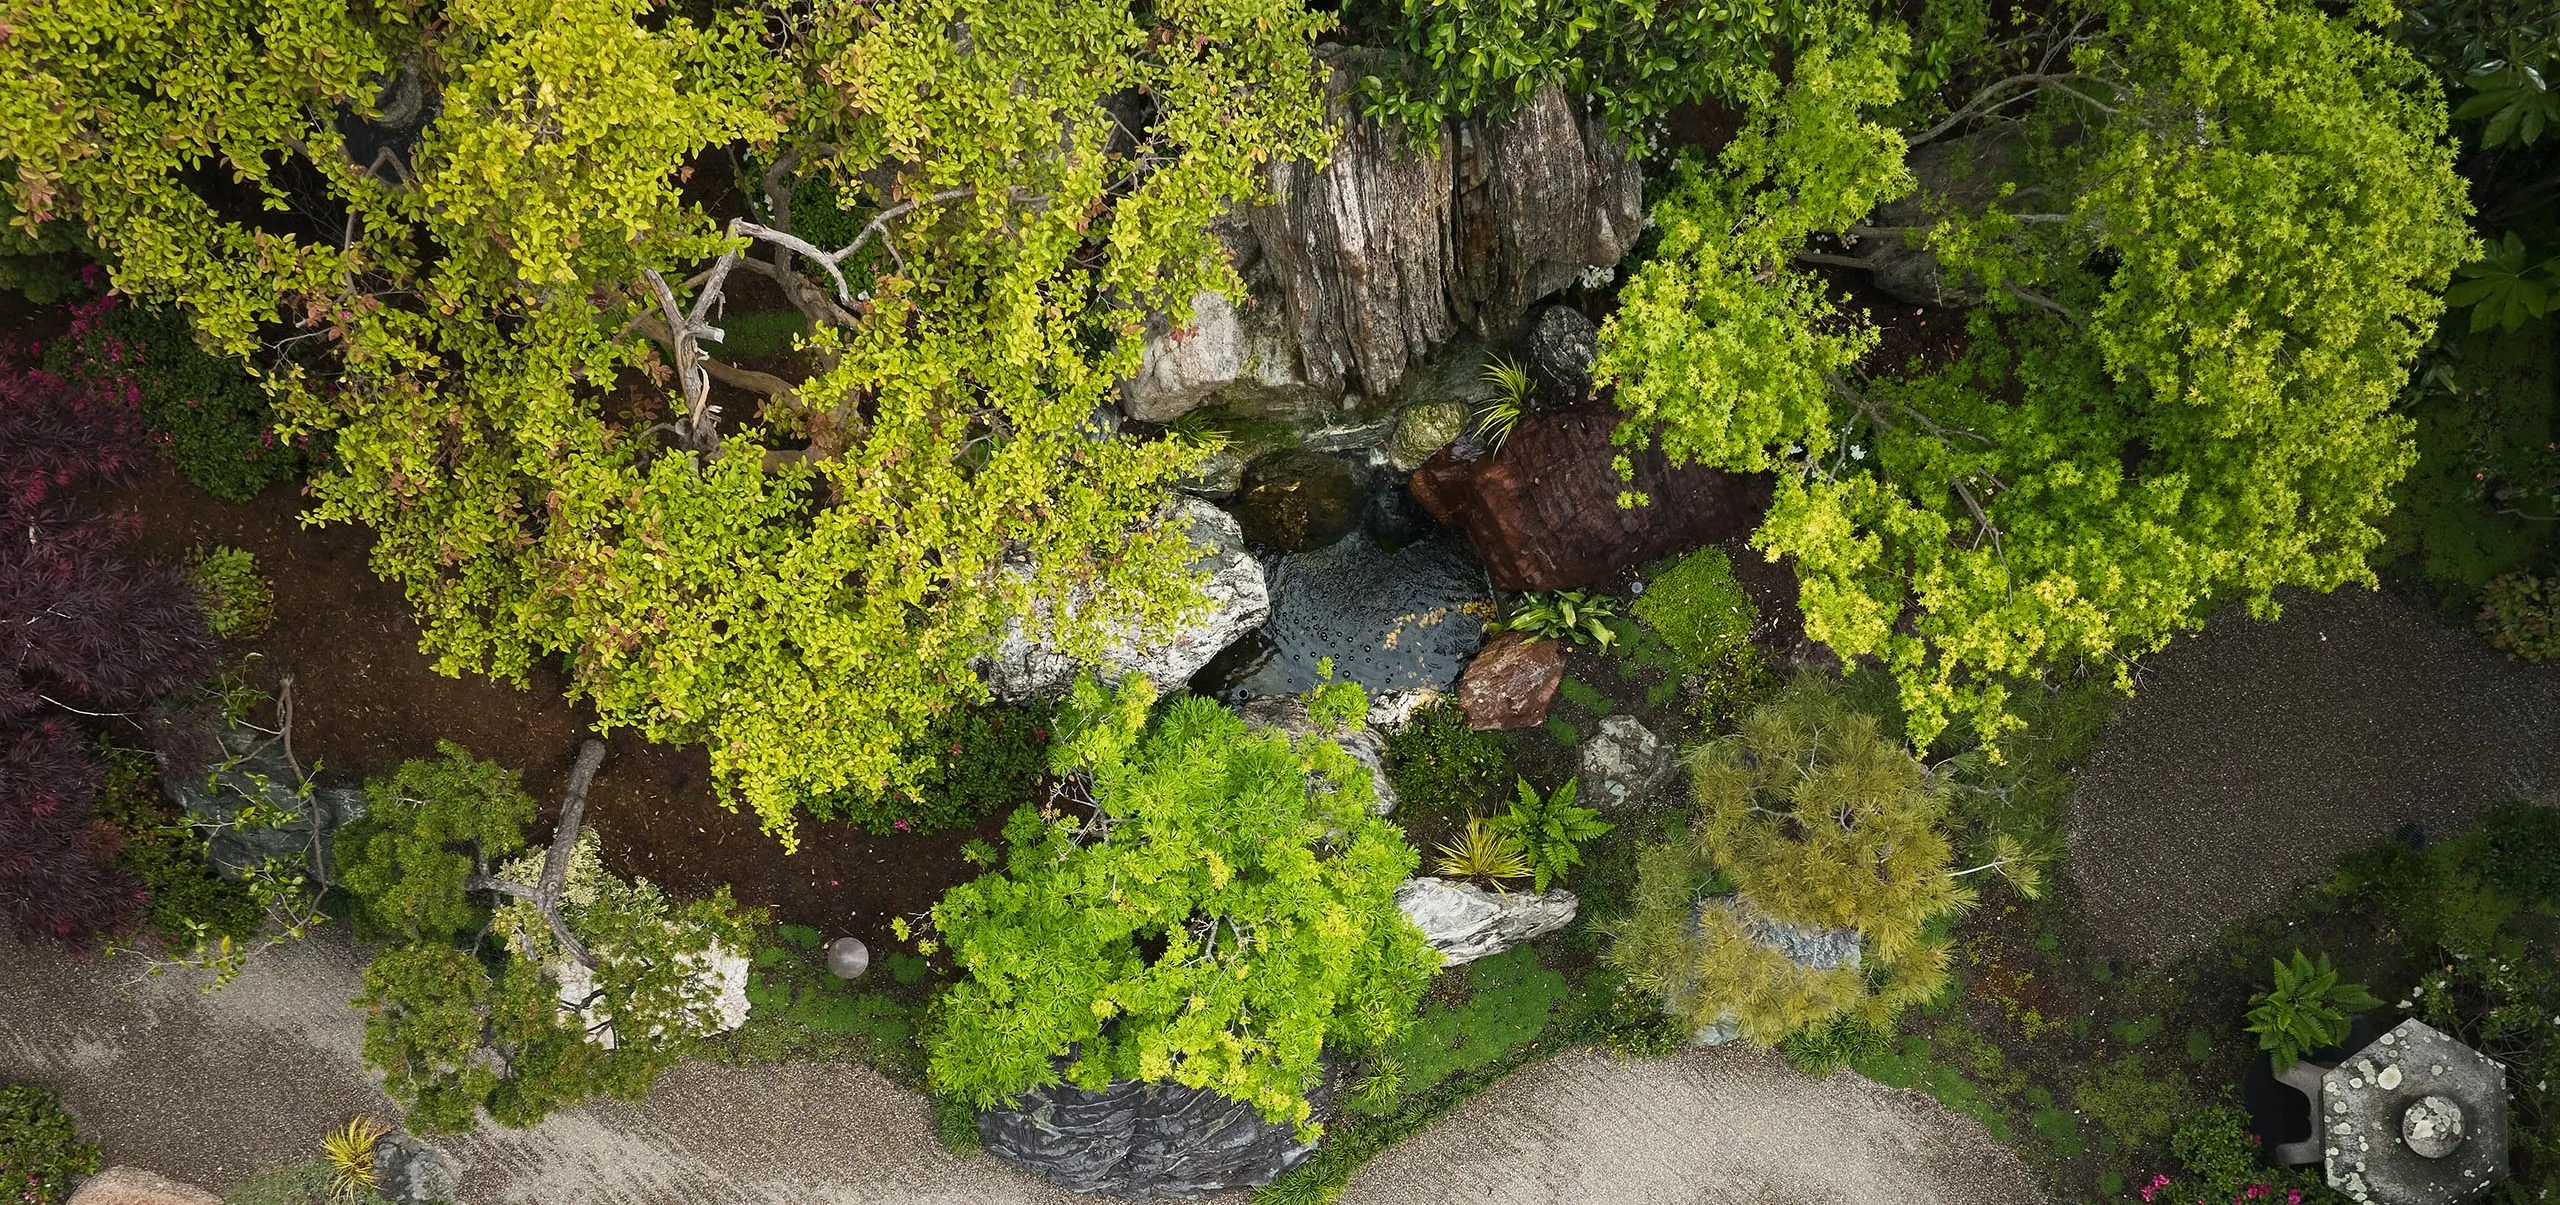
2307,1009
1510,384
1550,830
1563,615
348,1150
1484,852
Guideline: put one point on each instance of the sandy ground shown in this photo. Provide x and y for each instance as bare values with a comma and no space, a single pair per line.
1710,1127
2255,754
212,1089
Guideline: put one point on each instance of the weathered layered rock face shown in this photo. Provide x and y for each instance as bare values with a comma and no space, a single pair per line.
1397,245
1543,513
1144,1141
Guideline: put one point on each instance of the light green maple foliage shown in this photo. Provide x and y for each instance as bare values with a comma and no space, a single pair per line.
1204,905
2201,289
508,327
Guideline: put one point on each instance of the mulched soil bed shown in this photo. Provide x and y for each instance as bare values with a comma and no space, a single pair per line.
365,698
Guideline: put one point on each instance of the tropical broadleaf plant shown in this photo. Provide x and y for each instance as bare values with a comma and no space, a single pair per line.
2514,100
1572,615
2504,287
2305,1010
1550,830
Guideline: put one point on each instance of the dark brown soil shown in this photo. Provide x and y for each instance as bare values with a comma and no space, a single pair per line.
365,698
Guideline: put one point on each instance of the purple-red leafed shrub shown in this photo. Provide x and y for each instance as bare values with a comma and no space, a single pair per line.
87,634
57,877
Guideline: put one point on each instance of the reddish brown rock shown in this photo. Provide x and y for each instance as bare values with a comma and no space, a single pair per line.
1543,513
1511,682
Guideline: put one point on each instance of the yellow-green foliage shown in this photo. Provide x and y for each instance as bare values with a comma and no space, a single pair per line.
1808,816
802,589
1220,913
2203,288
238,603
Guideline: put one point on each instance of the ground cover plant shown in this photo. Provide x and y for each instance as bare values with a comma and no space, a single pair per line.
40,1148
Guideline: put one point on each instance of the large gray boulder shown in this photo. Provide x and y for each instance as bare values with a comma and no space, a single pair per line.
1625,767
1023,667
1466,922
1288,713
1953,176
1143,1141
1390,250
407,1170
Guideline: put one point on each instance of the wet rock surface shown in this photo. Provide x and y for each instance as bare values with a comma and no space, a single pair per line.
1562,345
1391,621
1143,1141
1301,501
1542,513
1466,922
1511,683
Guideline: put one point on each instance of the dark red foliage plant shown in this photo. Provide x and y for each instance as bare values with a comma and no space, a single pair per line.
88,634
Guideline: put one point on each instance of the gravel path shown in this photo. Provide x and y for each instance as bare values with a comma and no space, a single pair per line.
212,1089
1710,1127
2256,754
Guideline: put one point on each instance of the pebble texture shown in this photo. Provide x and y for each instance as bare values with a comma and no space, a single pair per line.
134,1186
2255,755
1709,1127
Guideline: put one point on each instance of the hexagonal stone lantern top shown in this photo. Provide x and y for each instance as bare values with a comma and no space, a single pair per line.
2416,1118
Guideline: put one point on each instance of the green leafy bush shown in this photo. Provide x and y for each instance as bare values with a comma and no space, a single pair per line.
1699,609
2519,852
2520,613
1438,765
1550,830
1815,819
988,758
2305,1010
214,422
40,1150
1827,1046
1636,59
191,903
238,602
522,1025
1219,912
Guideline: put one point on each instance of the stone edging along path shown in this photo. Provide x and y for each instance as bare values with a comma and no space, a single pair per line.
213,1089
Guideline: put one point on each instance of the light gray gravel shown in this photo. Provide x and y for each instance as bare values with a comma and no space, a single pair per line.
2255,754
1729,1126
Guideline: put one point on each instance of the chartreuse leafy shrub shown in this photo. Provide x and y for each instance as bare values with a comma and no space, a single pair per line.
989,757
1201,904
40,1150
1635,58
1811,817
2204,279
800,583
2308,1008
515,1026
1699,609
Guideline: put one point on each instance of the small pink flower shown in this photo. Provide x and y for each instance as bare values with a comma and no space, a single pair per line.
901,826
2293,1196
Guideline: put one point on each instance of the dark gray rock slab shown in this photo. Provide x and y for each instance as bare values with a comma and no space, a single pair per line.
1144,1142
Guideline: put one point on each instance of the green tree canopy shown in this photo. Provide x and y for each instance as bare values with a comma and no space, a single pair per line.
1200,904
2219,231
504,326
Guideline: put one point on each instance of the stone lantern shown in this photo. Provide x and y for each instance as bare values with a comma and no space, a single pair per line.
2415,1118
